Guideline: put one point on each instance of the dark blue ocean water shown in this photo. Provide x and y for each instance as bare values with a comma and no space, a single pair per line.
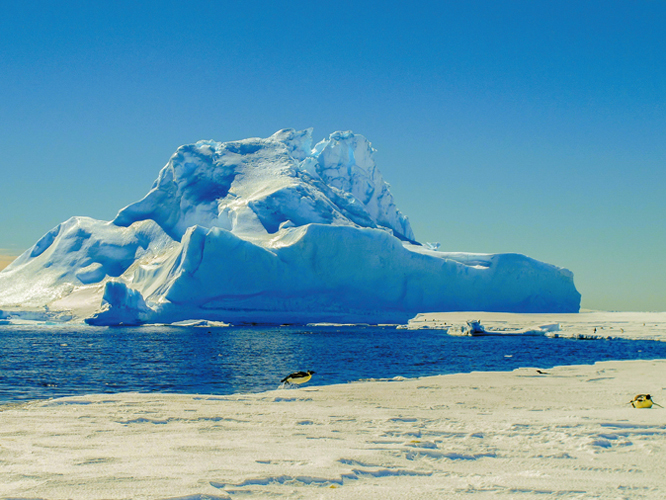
47,362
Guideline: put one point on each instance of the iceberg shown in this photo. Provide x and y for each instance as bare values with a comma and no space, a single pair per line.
267,231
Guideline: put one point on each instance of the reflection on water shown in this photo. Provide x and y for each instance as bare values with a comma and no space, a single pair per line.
41,362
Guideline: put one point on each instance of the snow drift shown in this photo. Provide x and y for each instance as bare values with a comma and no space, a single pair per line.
267,231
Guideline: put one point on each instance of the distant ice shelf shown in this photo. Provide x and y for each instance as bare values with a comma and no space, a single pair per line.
272,231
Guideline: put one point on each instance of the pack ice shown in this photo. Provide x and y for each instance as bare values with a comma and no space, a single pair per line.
266,231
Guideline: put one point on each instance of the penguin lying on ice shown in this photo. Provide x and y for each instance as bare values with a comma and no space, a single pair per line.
298,377
643,401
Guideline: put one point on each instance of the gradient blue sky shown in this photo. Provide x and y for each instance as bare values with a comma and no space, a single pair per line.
536,127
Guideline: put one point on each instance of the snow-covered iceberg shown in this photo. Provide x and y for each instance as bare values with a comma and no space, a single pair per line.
271,230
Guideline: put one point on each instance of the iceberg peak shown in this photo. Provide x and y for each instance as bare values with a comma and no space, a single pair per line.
244,185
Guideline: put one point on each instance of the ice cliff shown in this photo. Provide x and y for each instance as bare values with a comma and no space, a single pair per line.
271,230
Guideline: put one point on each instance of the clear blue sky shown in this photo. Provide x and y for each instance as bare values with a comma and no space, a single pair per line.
536,127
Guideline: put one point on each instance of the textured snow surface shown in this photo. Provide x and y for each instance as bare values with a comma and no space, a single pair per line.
271,230
566,434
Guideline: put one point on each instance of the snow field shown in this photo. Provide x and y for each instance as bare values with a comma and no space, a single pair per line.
569,433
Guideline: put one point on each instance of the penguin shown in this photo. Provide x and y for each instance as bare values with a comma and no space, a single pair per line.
298,377
643,401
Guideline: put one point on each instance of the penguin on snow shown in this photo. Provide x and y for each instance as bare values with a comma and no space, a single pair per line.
643,401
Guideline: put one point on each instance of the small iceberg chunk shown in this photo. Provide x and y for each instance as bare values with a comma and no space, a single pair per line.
474,328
